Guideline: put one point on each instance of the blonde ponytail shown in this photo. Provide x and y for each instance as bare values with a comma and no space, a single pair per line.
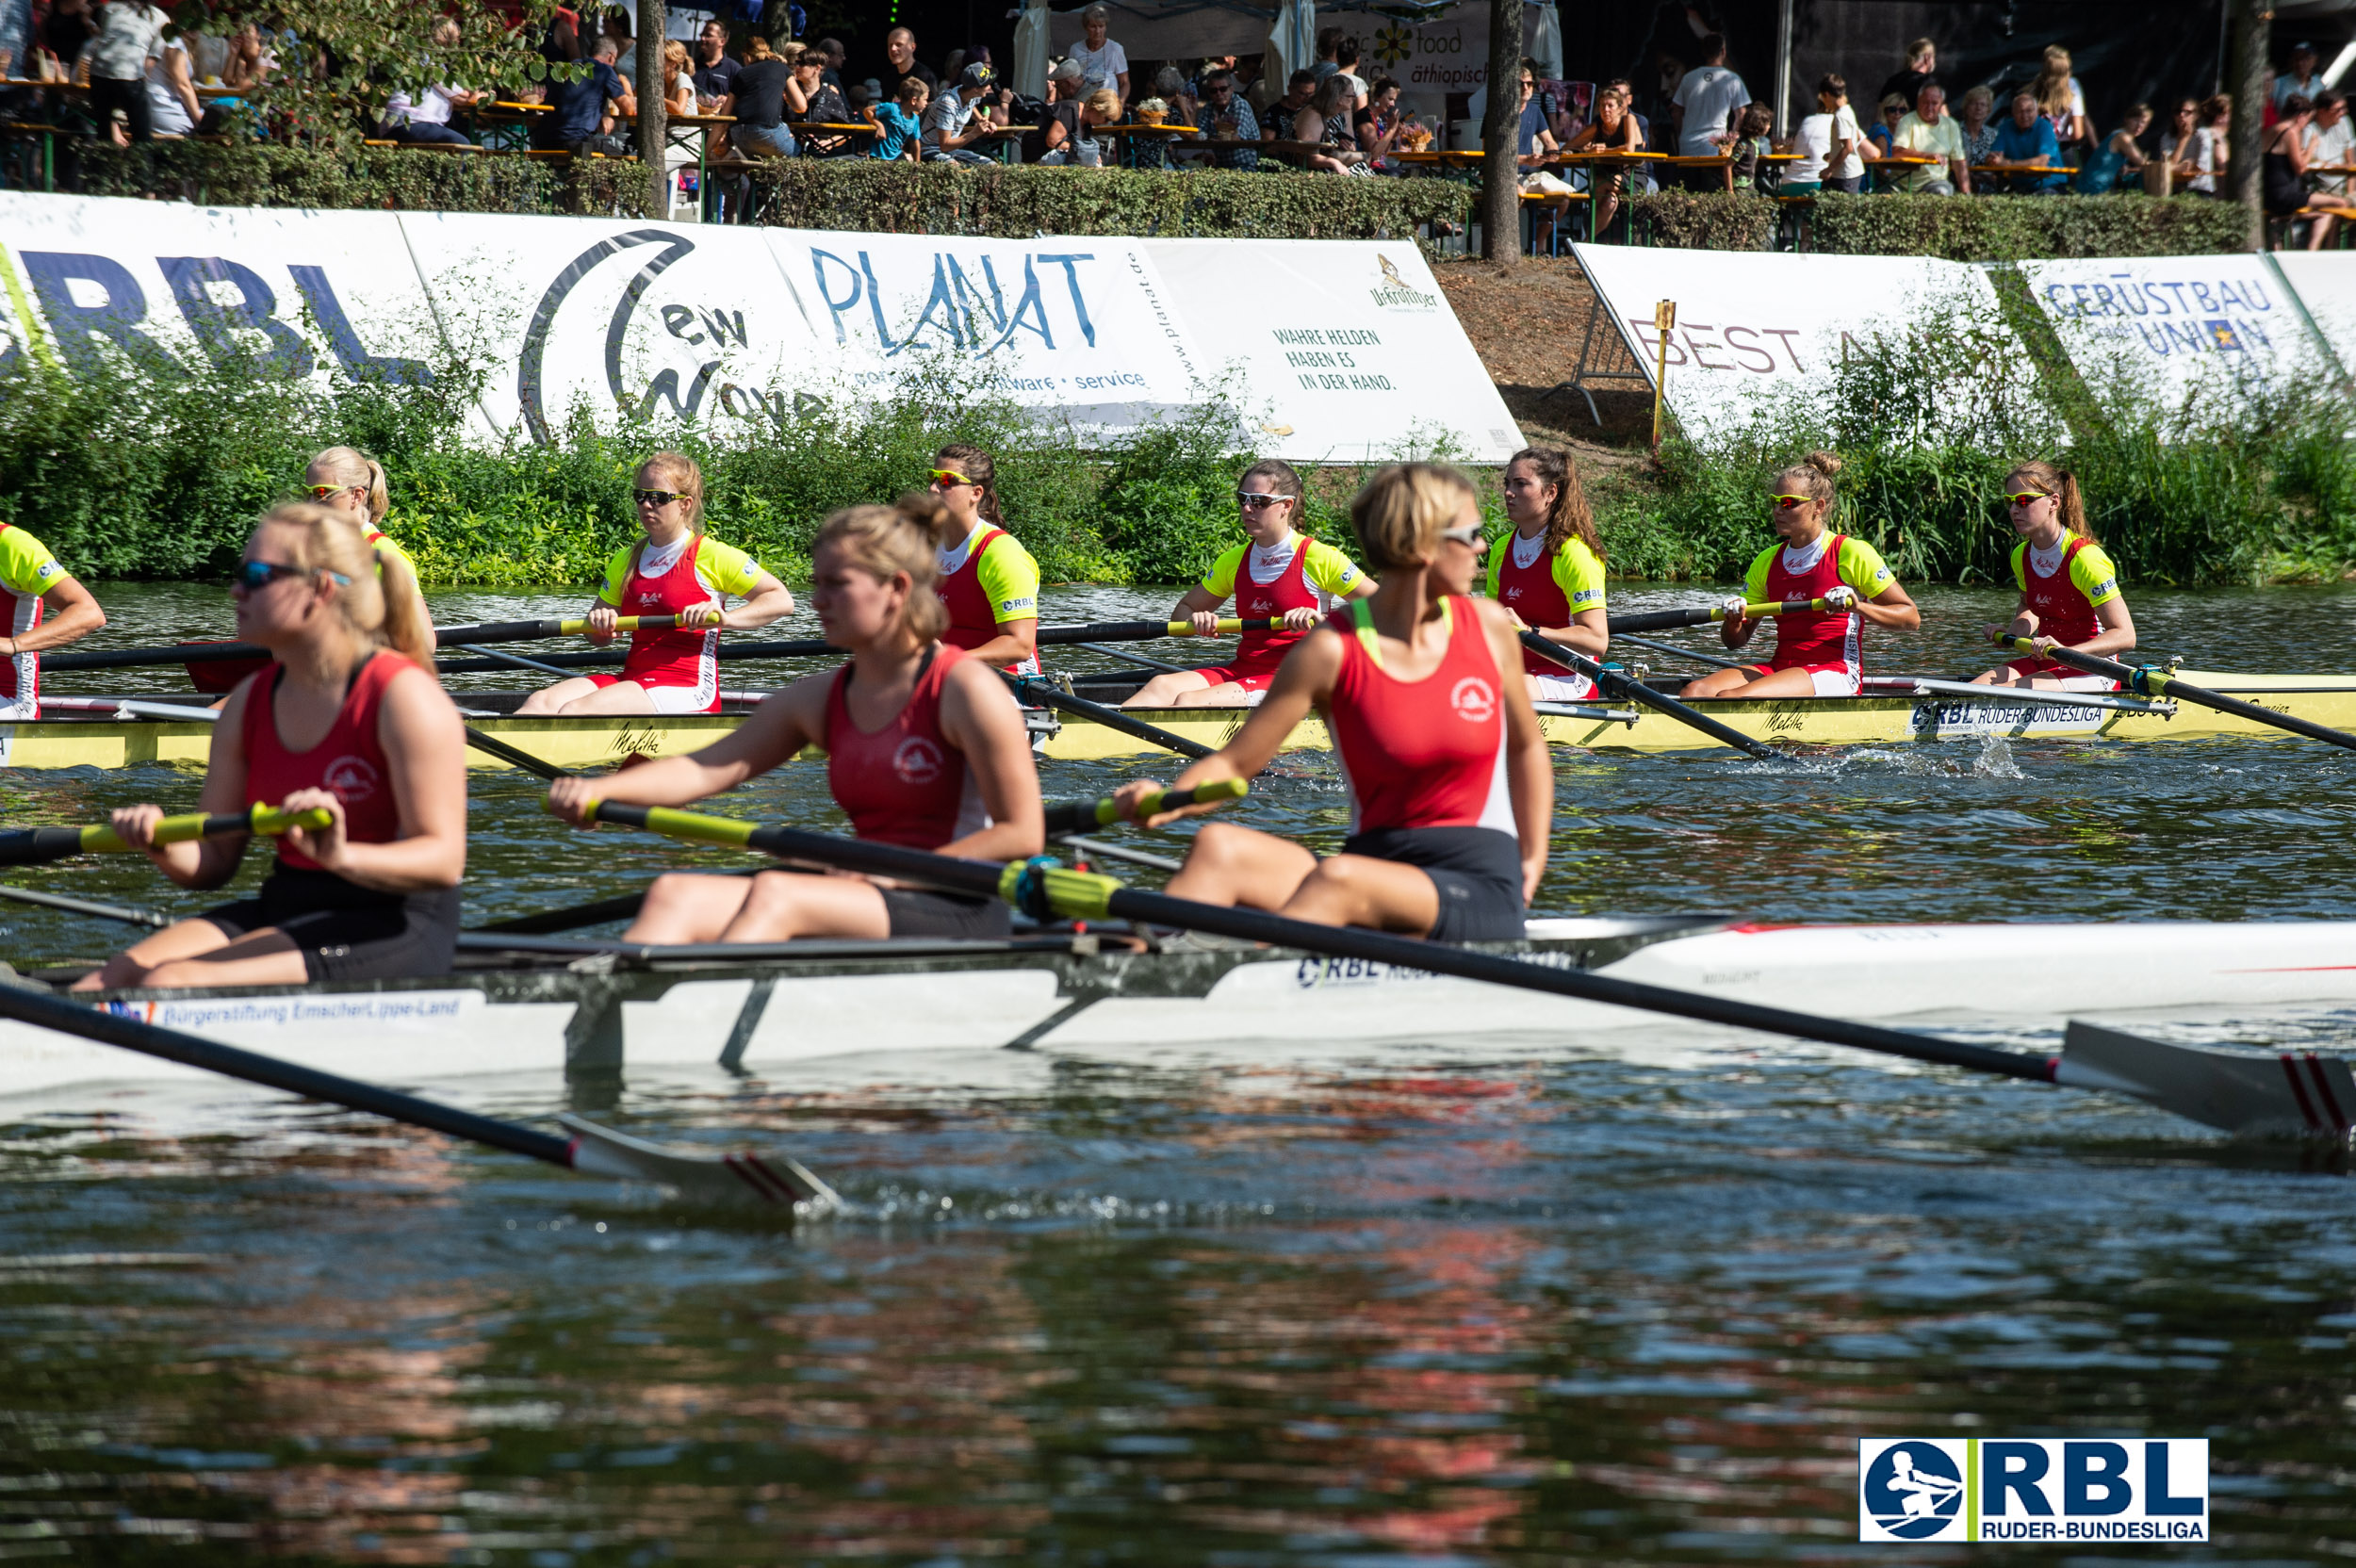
381,611
2060,484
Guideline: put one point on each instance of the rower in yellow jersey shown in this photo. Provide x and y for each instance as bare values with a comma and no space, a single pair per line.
2070,595
42,606
347,479
988,579
1549,572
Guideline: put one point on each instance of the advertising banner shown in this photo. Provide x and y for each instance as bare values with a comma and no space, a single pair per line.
1325,349
2182,329
1756,334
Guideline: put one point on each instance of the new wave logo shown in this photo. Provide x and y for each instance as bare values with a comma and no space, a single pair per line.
1913,1491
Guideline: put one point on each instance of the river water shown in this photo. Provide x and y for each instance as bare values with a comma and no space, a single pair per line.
1330,1305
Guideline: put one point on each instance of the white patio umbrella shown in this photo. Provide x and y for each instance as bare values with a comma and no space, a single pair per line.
1293,40
1031,50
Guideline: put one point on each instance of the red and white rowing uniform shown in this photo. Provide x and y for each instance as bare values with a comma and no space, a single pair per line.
987,581
27,571
349,760
679,668
2063,586
1548,590
907,783
1299,574
1425,762
1828,644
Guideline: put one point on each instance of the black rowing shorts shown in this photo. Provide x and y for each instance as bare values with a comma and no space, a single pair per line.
1476,871
347,932
923,912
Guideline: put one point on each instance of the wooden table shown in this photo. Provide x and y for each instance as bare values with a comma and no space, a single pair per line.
497,116
1722,161
2011,170
1003,142
1442,157
681,131
1124,137
825,131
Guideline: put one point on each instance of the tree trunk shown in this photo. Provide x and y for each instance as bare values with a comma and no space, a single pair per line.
653,107
1501,184
2245,76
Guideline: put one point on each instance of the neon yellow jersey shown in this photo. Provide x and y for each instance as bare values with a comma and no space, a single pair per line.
1861,568
381,545
1324,568
1577,572
26,567
2090,572
721,568
1007,573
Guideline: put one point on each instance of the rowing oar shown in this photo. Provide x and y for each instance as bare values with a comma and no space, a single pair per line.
129,914
1046,692
812,648
1614,684
206,653
33,846
1045,889
1663,620
773,1180
1066,817
2154,680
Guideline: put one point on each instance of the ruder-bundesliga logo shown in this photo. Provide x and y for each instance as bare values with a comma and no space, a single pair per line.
2056,1489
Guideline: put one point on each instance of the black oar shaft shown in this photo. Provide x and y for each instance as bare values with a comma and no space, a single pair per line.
493,747
1050,695
72,1017
2151,680
1612,683
128,914
1668,620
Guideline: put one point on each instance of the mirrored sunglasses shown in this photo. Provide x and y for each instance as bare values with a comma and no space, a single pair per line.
950,476
2028,498
254,575
657,498
1468,536
1787,503
1254,500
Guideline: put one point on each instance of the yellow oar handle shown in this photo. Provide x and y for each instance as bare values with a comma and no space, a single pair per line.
1228,625
627,623
1785,606
271,820
1108,811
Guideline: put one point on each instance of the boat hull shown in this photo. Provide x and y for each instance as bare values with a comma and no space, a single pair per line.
607,742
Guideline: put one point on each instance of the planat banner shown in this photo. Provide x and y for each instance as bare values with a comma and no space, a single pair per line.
2325,283
2183,328
1342,350
1756,334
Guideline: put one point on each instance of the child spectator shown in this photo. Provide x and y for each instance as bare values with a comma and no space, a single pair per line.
900,126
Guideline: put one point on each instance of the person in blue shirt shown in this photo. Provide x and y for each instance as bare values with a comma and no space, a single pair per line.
2028,137
901,124
577,109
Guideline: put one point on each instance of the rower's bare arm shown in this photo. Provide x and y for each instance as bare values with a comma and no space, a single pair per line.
70,611
1199,605
2119,630
1892,607
1589,632
425,741
601,617
786,721
1528,765
770,600
1016,643
1302,681
981,719
206,862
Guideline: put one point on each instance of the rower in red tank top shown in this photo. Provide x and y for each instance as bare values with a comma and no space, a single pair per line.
336,721
675,570
1278,572
2070,595
1818,652
925,747
985,577
1450,786
1549,571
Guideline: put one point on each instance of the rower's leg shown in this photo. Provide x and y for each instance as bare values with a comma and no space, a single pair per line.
1167,690
1717,683
784,905
1358,889
1227,693
685,907
184,939
1740,684
551,699
1231,865
623,696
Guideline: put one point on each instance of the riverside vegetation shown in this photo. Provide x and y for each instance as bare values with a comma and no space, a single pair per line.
126,474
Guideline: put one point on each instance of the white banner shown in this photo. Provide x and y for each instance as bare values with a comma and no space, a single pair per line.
2326,284
1757,334
2180,327
1327,349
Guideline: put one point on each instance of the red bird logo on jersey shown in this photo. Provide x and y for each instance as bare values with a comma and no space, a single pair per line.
1474,699
353,778
918,760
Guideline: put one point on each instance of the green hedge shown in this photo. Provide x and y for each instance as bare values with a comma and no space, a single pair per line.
1013,202
2024,228
1707,220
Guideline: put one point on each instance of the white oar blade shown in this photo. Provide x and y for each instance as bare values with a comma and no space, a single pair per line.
770,1180
2297,1094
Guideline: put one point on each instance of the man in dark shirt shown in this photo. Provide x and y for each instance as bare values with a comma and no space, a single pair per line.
716,71
576,108
831,73
1277,124
900,44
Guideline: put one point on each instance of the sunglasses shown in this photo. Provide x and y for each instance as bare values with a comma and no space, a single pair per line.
1790,504
1251,501
950,476
1468,536
658,498
320,492
254,576
2028,498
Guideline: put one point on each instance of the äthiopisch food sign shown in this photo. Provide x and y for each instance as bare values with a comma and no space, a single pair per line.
2223,328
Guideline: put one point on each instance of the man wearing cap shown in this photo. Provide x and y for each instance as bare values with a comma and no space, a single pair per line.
951,123
2303,77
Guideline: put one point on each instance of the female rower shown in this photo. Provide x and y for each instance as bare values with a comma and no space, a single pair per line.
344,718
1451,791
1279,572
925,747
676,569
1818,652
2069,594
347,479
988,579
1549,574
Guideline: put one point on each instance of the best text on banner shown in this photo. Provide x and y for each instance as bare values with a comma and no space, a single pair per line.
2051,1488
